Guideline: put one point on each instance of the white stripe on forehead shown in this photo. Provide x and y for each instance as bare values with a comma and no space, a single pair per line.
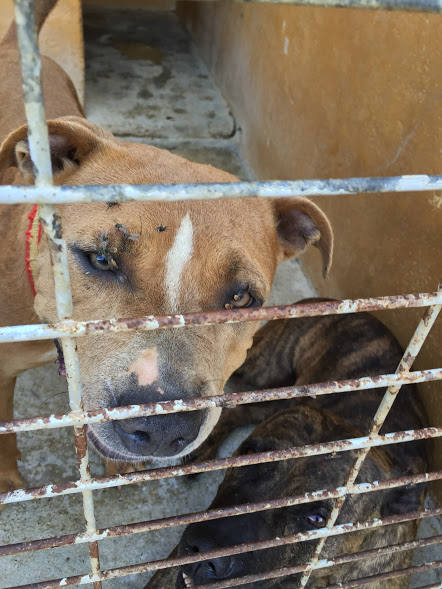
177,257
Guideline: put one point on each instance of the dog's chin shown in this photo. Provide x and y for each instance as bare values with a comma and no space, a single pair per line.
104,441
111,451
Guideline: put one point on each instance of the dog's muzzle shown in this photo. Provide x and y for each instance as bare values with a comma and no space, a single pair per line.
159,435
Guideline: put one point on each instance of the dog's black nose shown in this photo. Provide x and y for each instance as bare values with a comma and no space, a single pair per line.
206,570
159,435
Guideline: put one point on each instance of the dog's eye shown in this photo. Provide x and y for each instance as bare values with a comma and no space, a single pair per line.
100,262
240,300
316,519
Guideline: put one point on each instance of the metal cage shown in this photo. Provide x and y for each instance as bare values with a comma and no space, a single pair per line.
48,195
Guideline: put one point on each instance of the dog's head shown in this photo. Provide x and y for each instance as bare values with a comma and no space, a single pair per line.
135,259
284,479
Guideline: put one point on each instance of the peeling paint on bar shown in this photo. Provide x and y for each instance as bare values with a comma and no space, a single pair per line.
426,566
75,418
70,328
48,195
173,192
40,154
409,5
211,514
413,348
275,574
57,489
340,529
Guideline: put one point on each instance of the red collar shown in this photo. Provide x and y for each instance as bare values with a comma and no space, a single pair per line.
32,239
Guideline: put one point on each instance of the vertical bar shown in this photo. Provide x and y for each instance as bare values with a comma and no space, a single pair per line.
413,348
38,140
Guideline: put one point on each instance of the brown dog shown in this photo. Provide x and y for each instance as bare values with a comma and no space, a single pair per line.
302,351
136,259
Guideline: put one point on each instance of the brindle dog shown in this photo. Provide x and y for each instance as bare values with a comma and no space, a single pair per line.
305,351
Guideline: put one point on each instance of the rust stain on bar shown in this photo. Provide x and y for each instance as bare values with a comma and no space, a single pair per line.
428,566
211,514
95,561
71,328
409,355
237,549
287,571
41,158
54,490
228,400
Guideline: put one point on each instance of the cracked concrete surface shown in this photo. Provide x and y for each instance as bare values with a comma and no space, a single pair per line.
143,80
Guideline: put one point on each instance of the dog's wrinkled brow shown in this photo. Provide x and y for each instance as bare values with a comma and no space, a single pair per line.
237,267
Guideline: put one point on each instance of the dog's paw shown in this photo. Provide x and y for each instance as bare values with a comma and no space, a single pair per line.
9,481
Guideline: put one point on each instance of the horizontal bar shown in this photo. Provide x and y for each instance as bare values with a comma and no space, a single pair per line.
408,5
212,514
75,418
70,328
173,192
287,571
340,529
67,488
427,566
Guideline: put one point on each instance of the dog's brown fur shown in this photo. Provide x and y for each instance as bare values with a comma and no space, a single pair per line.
302,351
233,244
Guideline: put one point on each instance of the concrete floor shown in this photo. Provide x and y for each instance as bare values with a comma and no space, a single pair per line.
143,80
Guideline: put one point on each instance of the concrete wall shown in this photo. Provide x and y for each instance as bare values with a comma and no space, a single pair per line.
323,93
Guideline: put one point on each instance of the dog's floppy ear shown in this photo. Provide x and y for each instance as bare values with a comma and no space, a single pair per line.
299,224
70,140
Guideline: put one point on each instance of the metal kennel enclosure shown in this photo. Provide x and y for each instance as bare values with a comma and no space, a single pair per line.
47,196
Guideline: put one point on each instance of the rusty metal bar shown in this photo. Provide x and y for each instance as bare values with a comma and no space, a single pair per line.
174,192
72,328
385,405
212,514
30,66
340,529
427,566
227,400
287,571
408,5
55,490
48,195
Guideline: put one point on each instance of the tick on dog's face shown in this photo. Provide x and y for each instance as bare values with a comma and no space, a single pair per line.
135,259
285,479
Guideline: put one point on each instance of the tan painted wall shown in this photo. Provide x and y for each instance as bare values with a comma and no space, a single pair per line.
321,92
61,38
